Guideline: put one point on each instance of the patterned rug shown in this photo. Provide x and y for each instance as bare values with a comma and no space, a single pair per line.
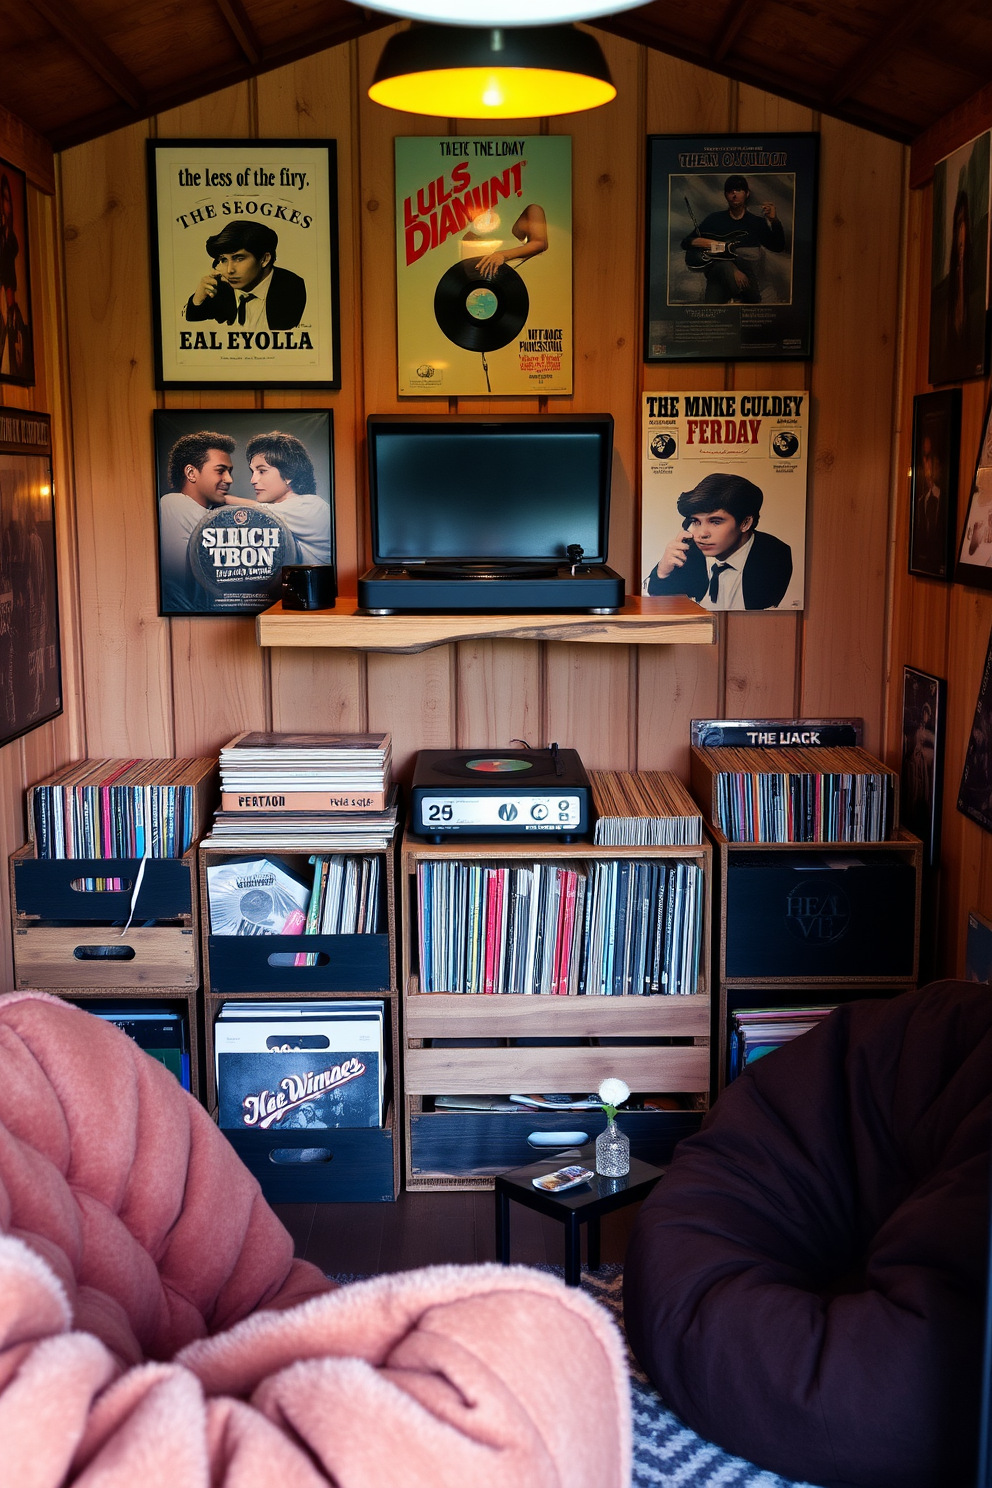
666,1453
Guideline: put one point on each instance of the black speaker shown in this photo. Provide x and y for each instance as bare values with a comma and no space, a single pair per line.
309,586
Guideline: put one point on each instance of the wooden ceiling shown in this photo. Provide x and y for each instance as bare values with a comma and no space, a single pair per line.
75,69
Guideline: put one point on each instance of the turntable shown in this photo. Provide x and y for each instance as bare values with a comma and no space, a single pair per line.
490,513
500,793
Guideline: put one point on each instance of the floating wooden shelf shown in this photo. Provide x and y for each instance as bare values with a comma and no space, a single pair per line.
672,621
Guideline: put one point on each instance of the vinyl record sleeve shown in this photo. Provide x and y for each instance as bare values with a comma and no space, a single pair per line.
290,1092
500,205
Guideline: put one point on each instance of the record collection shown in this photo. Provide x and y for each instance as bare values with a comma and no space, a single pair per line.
292,791
605,928
649,808
121,808
757,1031
300,1065
160,1030
263,896
795,795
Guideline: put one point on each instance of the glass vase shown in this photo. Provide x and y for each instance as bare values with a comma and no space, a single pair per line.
612,1152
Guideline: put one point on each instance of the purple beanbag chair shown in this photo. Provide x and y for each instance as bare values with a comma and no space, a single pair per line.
806,1285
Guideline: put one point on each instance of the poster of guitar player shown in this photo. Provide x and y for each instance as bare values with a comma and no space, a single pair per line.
731,234
484,265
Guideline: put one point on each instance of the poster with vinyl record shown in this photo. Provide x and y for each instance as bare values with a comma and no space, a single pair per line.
484,265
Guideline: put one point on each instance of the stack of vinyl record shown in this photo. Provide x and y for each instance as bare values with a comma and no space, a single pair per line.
320,791
160,1030
284,1066
606,928
649,808
801,795
121,808
755,1032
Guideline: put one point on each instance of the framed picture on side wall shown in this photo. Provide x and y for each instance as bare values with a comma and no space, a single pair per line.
934,483
921,776
244,263
974,561
975,792
240,493
30,661
731,239
16,338
959,263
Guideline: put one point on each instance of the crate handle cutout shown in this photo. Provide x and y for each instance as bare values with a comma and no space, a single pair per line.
289,958
88,886
300,1155
104,953
558,1139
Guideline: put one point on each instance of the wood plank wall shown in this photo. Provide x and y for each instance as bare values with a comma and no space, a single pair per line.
36,754
157,686
940,628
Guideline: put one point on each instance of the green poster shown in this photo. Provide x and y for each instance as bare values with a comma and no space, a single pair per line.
484,265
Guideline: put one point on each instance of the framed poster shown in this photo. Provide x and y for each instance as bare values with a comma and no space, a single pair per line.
484,265
978,949
975,792
731,238
922,772
244,263
934,483
974,565
30,659
16,338
239,493
959,263
723,513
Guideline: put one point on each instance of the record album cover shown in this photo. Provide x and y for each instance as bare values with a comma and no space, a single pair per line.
292,1091
724,498
484,265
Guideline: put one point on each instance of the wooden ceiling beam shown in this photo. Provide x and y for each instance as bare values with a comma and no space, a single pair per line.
78,131
635,28
870,58
732,22
241,29
70,25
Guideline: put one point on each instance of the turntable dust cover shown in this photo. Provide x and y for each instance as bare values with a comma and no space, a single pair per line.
484,265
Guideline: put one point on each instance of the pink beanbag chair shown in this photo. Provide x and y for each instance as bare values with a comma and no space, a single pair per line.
156,1330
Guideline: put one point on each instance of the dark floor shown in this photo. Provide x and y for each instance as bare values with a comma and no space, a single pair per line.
426,1229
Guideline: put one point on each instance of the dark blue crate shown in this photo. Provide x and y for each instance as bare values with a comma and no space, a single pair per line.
357,1166
355,963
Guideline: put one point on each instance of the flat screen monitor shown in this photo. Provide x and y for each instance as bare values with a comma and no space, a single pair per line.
493,489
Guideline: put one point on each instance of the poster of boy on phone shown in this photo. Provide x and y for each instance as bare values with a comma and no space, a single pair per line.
724,498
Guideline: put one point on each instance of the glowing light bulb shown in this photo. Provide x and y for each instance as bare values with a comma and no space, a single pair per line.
493,96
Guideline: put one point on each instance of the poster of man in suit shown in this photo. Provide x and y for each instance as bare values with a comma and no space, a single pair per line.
245,274
724,498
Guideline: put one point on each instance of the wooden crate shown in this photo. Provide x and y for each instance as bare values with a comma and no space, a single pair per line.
348,1177
53,919
431,1071
828,986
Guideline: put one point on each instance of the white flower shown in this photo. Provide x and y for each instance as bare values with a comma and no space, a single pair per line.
613,1092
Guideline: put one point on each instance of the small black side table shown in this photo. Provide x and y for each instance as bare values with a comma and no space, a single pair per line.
574,1207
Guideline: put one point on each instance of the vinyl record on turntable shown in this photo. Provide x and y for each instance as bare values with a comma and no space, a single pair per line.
481,314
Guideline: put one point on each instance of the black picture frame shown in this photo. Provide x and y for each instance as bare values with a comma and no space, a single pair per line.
924,701
978,949
975,790
203,569
974,554
16,320
959,262
934,484
686,175
198,188
30,648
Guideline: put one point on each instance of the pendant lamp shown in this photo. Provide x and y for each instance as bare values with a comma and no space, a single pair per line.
471,72
503,12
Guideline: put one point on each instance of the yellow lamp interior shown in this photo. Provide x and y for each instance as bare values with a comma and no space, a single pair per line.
492,92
